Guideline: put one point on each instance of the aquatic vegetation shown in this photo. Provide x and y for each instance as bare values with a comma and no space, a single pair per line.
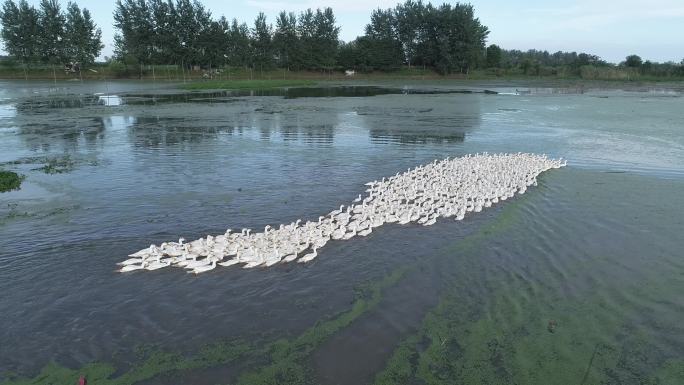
15,212
507,339
10,181
285,356
441,189
247,84
58,165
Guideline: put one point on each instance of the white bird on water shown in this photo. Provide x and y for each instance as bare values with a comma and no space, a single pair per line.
446,188
308,257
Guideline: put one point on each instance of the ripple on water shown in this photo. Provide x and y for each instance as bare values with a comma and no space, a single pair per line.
597,252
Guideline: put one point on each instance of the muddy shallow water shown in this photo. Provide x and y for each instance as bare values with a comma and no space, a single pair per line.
595,248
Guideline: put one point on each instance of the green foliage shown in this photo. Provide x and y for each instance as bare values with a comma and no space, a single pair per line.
286,41
83,40
528,60
10,181
633,61
262,42
493,57
318,39
448,38
239,45
51,42
58,165
47,34
381,47
183,32
20,30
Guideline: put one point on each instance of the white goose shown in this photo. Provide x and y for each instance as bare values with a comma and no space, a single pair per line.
205,268
308,257
447,188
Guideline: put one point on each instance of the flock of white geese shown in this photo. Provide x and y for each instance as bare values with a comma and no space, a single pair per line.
450,188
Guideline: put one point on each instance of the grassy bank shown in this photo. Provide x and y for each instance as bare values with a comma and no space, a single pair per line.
175,73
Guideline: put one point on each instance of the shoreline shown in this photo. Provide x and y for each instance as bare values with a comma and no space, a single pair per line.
195,85
172,73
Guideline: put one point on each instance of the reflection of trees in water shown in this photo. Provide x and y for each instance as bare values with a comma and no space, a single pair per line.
51,122
154,132
43,133
394,136
310,133
312,127
43,104
411,119
441,124
292,126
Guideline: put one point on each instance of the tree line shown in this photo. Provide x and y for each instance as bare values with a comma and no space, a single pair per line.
184,32
447,38
48,34
540,63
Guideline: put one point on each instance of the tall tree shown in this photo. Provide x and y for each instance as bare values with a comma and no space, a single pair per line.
633,61
408,18
135,39
165,37
20,32
83,40
285,40
51,42
326,39
493,58
239,47
214,43
382,42
262,42
193,21
306,29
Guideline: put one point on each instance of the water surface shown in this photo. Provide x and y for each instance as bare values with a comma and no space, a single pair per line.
596,247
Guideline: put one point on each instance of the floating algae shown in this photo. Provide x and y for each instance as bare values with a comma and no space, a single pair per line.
10,181
441,189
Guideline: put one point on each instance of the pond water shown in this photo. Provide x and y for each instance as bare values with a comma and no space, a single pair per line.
578,281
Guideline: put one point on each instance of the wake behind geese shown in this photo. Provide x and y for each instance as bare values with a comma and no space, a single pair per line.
446,188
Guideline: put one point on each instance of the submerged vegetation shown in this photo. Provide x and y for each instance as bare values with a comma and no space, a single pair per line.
523,334
10,181
57,165
50,164
285,356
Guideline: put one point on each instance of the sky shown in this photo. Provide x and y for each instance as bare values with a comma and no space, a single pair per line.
611,29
